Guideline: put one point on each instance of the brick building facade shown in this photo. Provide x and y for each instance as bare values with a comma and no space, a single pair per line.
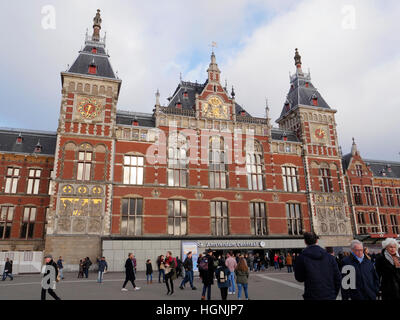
199,170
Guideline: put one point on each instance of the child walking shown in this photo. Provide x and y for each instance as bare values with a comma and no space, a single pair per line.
149,271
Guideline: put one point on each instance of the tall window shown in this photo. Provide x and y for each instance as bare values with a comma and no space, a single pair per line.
258,219
219,218
84,165
357,195
379,198
293,215
369,196
255,168
12,180
33,181
177,161
177,217
359,170
384,223
218,169
395,224
325,180
133,170
373,219
6,218
398,196
28,223
360,218
132,217
290,180
51,183
389,197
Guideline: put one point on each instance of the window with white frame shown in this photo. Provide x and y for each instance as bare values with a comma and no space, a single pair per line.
294,219
85,159
325,180
177,217
219,218
218,169
12,180
132,216
389,197
258,219
28,223
255,168
379,198
369,195
51,183
384,224
6,219
357,195
133,170
177,161
33,181
290,179
395,224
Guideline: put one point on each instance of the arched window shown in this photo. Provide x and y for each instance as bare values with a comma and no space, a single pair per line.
177,161
85,158
325,180
218,169
290,180
255,167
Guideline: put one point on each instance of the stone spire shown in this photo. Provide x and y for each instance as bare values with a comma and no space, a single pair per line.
213,70
97,26
297,61
354,149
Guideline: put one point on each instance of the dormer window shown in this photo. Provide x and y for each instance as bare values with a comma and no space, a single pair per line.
243,113
287,106
314,100
135,123
38,148
94,50
19,139
92,69
307,85
186,94
178,105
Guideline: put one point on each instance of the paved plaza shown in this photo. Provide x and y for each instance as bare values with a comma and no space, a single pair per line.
268,285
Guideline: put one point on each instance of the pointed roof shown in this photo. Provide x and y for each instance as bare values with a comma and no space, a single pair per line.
94,53
302,91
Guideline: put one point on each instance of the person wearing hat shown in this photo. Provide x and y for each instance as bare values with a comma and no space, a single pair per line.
388,268
51,279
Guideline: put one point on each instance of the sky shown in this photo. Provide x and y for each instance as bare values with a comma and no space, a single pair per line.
351,48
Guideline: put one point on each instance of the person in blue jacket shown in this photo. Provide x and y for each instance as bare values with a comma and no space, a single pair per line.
222,275
318,270
366,278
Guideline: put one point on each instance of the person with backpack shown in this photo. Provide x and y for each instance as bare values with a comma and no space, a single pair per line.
149,272
231,264
207,269
188,265
222,274
242,278
170,272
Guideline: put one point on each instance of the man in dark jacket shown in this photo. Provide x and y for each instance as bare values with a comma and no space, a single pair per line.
188,265
130,273
49,278
318,270
367,281
103,266
207,276
8,270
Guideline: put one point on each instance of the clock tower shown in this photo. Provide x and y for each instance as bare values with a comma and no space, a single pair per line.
80,206
306,113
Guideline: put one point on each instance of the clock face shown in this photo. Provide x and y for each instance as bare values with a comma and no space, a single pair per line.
215,109
320,133
89,108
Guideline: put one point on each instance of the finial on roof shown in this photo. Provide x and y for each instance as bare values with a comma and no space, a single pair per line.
97,26
180,77
158,97
267,108
354,149
297,60
233,94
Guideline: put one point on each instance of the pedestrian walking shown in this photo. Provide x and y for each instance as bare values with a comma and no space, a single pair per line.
367,281
60,267
51,277
179,265
86,266
207,269
257,260
251,262
103,267
8,270
81,268
130,273
276,261
281,261
289,263
188,266
318,270
222,274
242,278
149,272
170,272
231,265
388,268
161,268
134,262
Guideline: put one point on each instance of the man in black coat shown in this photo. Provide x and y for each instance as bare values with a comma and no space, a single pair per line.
318,270
130,273
49,278
8,270
367,281
207,276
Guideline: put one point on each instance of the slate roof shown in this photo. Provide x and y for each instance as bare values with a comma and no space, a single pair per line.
300,94
8,141
100,59
346,161
143,119
278,134
189,102
384,169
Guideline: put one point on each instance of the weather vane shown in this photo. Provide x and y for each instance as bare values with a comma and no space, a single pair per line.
213,45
